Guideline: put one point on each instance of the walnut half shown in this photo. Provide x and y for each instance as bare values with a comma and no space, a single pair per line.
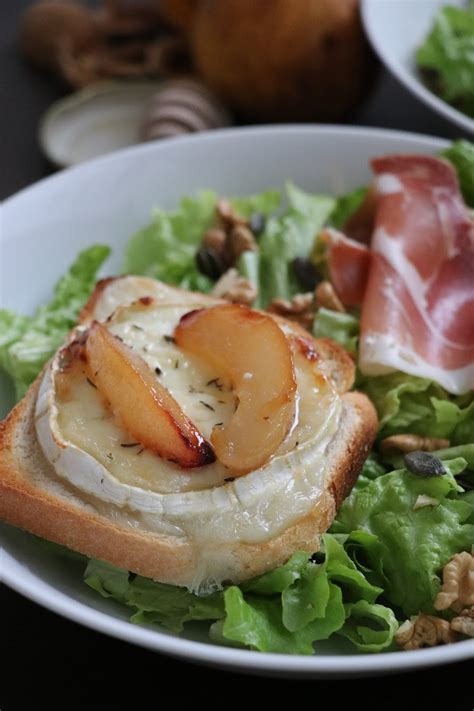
326,296
235,288
457,591
411,443
299,309
464,623
424,631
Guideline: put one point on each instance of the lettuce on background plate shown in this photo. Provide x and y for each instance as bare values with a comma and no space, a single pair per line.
461,155
446,56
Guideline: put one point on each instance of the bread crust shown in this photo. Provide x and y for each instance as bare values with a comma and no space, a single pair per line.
174,560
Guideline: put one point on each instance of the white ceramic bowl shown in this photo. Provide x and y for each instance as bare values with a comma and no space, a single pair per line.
105,201
396,28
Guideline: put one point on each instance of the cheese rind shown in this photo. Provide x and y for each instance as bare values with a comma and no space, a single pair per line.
77,434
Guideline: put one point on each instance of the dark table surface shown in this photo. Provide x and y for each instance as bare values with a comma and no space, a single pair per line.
61,662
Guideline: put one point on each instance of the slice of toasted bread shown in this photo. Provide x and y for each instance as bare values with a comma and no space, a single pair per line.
33,497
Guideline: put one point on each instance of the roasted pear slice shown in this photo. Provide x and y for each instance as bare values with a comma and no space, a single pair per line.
145,409
249,349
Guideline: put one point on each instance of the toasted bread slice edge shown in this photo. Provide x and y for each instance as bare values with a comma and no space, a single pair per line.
55,511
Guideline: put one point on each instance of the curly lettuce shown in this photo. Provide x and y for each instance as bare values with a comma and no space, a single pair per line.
461,155
384,555
27,342
401,546
166,248
446,57
406,403
286,610
341,327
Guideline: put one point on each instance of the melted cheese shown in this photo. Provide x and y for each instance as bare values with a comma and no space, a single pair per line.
84,442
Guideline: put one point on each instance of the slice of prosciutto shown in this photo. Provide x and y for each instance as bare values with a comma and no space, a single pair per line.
418,304
348,262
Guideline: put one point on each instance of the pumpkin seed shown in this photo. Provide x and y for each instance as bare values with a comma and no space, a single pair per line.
424,464
257,223
306,273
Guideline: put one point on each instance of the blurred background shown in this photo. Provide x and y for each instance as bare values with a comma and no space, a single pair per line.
82,78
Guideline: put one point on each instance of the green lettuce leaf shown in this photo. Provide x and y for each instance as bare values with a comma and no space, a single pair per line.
465,451
371,470
369,626
286,237
366,552
345,207
446,57
257,623
249,267
279,579
107,580
285,611
461,155
27,342
406,403
415,544
166,249
317,600
341,327
153,602
266,202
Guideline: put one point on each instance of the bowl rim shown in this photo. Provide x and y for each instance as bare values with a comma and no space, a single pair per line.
407,78
225,134
24,581
51,598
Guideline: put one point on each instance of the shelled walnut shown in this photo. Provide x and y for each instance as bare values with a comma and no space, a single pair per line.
326,296
457,591
299,309
412,443
424,631
464,622
235,288
227,239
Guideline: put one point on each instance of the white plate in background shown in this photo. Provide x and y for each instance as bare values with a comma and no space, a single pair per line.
106,200
396,28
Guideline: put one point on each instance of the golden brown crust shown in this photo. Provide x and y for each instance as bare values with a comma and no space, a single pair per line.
27,504
357,448
168,559
88,308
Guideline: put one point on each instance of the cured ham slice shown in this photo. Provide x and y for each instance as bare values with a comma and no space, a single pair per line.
360,225
418,306
348,263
